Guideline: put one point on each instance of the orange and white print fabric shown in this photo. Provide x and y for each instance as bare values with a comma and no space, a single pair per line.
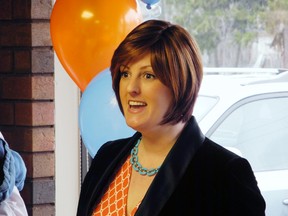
114,201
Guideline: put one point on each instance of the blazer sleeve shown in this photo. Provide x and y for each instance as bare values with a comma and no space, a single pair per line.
243,195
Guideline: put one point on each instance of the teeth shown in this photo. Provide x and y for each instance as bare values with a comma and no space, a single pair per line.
136,103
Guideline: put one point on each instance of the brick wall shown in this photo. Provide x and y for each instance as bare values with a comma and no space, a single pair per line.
27,96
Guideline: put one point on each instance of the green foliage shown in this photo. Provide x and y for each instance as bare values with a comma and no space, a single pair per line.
212,21
278,4
276,16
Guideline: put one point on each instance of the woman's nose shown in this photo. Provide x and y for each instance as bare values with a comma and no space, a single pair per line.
133,86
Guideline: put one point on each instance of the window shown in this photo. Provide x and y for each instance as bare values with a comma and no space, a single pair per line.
204,105
258,131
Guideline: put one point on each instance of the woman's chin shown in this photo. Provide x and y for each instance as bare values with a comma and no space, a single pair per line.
134,124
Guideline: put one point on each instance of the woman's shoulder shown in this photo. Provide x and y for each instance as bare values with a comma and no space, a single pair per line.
218,154
215,157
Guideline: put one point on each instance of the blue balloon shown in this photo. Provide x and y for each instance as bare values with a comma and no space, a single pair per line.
100,118
149,3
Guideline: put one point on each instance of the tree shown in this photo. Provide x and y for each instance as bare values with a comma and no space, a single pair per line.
276,21
237,23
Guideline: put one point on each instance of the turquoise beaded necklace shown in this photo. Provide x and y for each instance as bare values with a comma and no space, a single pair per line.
137,166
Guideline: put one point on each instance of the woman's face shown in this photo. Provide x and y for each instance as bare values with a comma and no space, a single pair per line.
144,98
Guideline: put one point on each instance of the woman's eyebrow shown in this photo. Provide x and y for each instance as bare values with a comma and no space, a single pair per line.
123,67
146,66
142,67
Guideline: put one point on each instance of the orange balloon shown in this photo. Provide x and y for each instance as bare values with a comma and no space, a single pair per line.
85,34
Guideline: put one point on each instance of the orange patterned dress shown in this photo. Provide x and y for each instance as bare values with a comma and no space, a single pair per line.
114,201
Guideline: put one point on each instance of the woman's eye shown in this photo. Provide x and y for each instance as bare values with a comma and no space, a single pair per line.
149,76
124,74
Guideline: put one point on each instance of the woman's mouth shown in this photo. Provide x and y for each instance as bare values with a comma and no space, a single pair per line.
136,104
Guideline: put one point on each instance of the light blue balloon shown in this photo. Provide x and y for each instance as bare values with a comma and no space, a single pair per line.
149,3
100,118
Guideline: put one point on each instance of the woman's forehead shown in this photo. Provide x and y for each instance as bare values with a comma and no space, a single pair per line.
134,59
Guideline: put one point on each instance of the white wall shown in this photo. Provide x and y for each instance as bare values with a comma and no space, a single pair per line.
67,139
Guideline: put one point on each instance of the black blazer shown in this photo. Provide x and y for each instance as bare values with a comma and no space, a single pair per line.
197,178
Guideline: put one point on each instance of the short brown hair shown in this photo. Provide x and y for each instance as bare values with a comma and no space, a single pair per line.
175,60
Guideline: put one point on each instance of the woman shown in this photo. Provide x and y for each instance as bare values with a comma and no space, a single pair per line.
168,167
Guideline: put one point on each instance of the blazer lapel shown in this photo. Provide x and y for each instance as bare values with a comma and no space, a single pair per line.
172,170
104,181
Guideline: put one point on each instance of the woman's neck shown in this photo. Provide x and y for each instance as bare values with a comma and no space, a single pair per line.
157,144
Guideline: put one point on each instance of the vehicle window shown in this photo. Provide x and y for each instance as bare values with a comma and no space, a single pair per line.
258,131
204,105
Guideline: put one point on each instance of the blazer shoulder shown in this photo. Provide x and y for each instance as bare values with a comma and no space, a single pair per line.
217,154
224,163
